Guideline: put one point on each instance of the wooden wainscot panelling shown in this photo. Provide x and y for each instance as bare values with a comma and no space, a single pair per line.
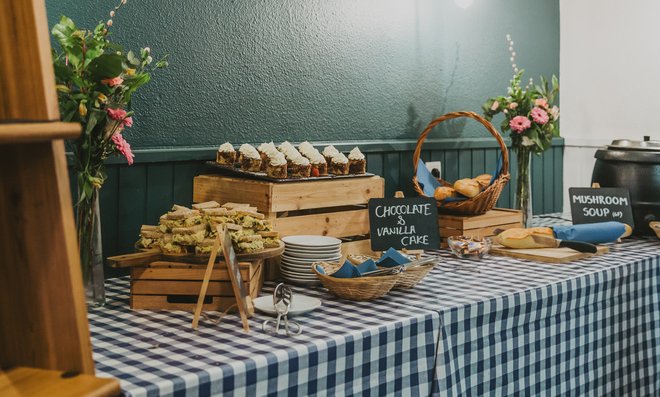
170,172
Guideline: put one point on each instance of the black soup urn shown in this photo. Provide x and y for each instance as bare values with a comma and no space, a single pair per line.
634,165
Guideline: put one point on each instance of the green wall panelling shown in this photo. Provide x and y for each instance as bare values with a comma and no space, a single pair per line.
558,177
109,203
160,190
132,208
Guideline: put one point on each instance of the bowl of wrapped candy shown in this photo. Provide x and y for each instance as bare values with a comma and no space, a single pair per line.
469,247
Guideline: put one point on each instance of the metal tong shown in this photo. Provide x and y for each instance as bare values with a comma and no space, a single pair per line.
282,297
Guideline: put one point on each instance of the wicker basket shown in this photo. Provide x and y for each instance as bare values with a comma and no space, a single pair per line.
483,201
356,289
408,279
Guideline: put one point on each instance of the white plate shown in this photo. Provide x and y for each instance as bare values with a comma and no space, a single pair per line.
311,250
311,255
311,241
300,304
301,275
306,271
301,261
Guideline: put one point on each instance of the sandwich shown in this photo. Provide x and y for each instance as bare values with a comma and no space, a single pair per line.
247,244
270,239
205,247
206,205
168,246
149,236
189,235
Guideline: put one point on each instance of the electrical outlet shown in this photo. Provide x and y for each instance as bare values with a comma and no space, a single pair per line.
434,165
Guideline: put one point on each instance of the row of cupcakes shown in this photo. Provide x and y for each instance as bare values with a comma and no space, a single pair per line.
285,161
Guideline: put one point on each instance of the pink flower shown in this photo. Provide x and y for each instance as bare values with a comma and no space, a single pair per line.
128,122
513,105
519,124
113,81
116,114
123,147
539,116
494,106
542,102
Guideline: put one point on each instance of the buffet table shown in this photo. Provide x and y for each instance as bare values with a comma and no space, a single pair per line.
500,326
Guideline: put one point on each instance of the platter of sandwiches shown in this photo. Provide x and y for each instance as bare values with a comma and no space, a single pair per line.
191,232
286,163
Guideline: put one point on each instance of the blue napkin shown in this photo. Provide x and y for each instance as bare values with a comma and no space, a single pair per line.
392,258
367,266
347,270
595,233
426,180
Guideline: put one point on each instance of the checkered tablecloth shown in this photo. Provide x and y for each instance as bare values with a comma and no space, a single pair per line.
500,326
519,327
345,348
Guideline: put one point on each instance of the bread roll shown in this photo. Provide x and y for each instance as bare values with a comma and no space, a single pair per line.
467,187
444,192
522,238
483,180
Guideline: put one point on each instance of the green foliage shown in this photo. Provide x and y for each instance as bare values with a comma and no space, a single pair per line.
94,75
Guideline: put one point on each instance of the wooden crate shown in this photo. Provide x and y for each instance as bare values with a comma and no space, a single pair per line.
477,225
165,285
329,207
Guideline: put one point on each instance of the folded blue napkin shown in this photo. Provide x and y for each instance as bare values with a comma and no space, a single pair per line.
347,270
367,266
425,179
595,233
392,258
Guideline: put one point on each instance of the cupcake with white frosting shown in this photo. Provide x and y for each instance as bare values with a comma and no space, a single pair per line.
357,164
329,152
276,166
226,155
300,167
339,164
319,165
249,158
264,150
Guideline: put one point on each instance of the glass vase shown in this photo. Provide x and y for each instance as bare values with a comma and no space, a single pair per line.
88,222
523,196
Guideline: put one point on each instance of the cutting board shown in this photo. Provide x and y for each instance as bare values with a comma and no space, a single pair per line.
550,255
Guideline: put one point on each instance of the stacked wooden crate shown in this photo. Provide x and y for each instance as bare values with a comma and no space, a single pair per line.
477,225
329,207
162,283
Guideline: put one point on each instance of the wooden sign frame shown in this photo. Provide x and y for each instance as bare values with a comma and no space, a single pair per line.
243,300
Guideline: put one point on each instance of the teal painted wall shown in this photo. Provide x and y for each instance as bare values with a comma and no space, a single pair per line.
251,70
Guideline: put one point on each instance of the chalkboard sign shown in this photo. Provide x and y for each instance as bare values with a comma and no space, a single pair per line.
591,205
410,223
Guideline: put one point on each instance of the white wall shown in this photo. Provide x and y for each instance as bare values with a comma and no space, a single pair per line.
610,78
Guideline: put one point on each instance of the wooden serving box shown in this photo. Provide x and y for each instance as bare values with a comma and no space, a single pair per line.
173,281
163,285
477,225
332,207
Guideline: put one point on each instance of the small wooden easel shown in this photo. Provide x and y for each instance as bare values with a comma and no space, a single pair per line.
243,300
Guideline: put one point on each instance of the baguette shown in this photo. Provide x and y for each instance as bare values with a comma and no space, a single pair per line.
522,238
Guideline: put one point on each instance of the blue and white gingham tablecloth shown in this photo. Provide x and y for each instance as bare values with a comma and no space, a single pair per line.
498,327
345,348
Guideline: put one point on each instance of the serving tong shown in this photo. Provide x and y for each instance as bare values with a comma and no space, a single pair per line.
282,297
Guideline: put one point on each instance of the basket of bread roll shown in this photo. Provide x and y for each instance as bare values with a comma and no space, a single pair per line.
468,196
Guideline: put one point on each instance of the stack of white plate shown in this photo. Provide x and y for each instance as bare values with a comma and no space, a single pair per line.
301,251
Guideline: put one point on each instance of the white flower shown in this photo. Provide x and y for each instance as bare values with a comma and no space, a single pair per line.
527,142
109,23
147,49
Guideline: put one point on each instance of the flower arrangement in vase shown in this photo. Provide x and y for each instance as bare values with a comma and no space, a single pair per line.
96,80
530,117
